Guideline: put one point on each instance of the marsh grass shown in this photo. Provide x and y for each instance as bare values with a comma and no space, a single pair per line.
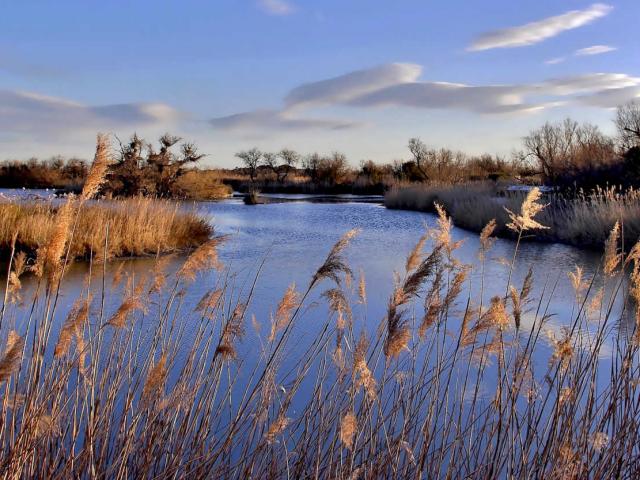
104,397
138,226
583,221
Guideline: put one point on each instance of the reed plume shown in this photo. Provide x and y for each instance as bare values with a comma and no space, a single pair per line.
362,289
486,237
78,315
348,428
577,281
339,305
209,302
133,302
277,427
414,258
288,303
611,255
204,257
334,264
99,168
528,210
49,256
232,331
155,380
12,354
364,378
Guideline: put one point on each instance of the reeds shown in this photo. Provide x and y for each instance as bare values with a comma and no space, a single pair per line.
584,220
168,385
137,227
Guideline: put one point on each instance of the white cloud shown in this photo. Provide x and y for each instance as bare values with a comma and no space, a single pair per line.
611,97
353,84
536,32
276,7
397,85
33,113
594,50
275,120
555,61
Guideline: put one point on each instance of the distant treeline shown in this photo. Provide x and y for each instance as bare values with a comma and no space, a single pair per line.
55,172
568,154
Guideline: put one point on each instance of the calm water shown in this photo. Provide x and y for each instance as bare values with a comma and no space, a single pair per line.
293,238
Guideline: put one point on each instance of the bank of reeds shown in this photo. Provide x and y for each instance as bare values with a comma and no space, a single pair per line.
135,226
584,220
447,386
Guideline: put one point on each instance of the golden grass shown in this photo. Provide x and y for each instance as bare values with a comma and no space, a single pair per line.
203,184
584,221
163,388
135,227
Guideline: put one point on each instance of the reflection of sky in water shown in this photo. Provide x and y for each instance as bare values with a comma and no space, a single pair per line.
295,237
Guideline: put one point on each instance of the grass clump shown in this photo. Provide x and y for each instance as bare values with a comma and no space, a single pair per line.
137,226
584,220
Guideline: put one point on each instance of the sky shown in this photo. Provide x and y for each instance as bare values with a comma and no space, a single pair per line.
356,76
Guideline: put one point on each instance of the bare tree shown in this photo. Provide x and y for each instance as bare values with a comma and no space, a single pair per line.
628,124
420,155
311,165
566,148
290,159
270,160
140,169
251,160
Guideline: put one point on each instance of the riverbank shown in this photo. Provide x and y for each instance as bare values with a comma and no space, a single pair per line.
583,222
133,227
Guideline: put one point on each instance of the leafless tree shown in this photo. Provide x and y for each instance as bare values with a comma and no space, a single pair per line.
270,160
311,164
251,160
567,148
290,159
628,124
140,169
420,155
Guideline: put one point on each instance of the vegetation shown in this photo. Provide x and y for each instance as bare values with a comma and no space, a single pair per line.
583,220
97,394
54,173
136,226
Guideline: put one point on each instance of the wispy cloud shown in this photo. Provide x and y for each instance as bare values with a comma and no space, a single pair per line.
398,85
594,50
276,7
353,84
555,61
536,32
276,120
33,113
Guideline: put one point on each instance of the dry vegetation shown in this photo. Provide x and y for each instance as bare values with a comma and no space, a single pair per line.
582,220
447,386
137,226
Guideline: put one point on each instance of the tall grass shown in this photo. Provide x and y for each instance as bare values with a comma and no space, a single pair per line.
137,226
446,386
583,221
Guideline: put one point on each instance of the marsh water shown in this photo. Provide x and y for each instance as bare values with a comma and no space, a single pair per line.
285,241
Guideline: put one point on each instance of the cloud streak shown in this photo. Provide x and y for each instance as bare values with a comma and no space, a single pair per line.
276,120
398,85
276,7
594,50
29,112
536,32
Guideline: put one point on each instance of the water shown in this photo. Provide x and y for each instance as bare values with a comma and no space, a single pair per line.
291,239
284,243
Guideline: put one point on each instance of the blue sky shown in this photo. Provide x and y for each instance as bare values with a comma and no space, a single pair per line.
359,76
